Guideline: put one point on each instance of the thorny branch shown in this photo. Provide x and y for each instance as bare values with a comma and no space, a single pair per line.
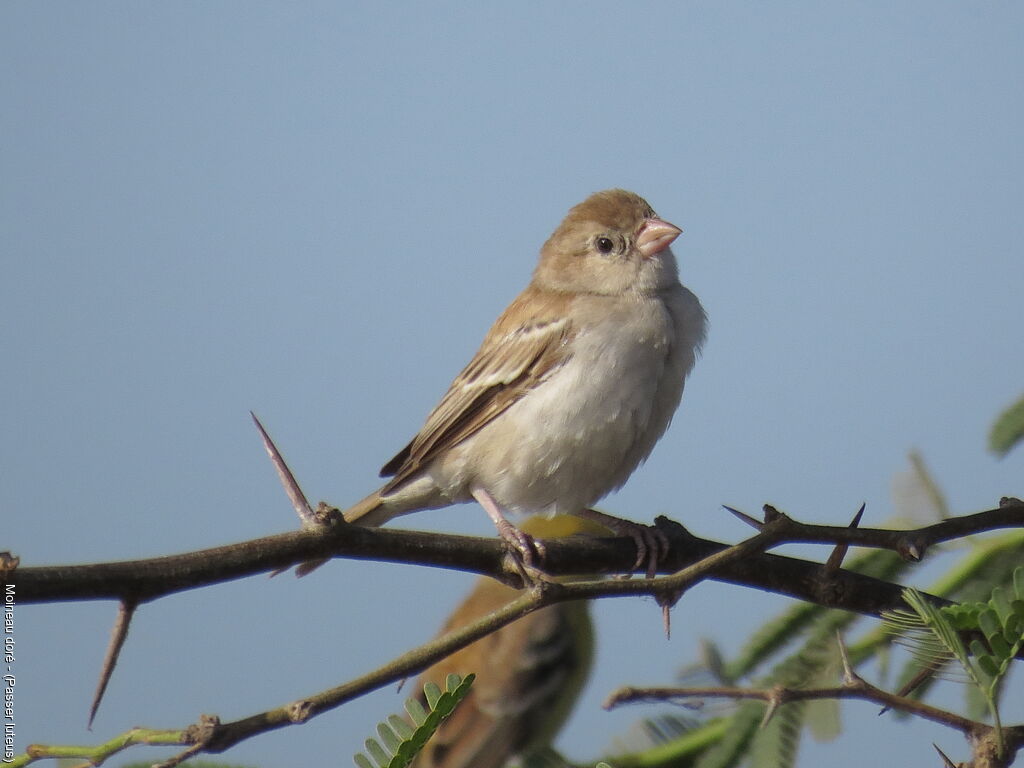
981,736
217,736
139,581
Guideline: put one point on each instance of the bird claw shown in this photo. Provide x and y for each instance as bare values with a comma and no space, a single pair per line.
652,544
651,547
529,553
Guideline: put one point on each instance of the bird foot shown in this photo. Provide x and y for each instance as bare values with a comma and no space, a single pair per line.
651,544
527,552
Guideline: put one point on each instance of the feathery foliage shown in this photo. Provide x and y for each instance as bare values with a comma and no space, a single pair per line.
399,741
935,635
1008,429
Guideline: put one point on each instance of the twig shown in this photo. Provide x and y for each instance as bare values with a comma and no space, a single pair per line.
981,736
910,544
538,596
95,755
781,695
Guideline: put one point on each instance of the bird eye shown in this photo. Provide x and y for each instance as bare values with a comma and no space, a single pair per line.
605,244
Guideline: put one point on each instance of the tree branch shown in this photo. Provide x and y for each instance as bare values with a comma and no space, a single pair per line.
909,544
981,736
139,581
210,735
984,739
744,563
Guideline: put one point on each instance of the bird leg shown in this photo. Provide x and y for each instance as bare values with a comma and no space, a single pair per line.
528,551
651,544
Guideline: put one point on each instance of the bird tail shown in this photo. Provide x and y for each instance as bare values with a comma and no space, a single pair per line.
371,512
377,508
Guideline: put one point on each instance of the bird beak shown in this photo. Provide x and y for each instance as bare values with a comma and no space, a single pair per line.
655,236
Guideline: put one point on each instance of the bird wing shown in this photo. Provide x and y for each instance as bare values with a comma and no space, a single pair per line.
528,675
519,352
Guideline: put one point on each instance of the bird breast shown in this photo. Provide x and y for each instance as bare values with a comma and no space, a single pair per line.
594,419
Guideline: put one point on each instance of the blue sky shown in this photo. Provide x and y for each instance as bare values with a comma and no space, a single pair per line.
315,210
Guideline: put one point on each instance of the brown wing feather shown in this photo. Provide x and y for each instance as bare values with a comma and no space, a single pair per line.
513,358
522,670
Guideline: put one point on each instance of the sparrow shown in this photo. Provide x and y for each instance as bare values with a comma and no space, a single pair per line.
571,388
528,673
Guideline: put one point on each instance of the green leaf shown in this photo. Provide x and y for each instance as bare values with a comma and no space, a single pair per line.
433,694
1017,606
1014,628
916,494
401,727
731,749
964,616
377,752
401,740
714,662
1018,582
984,662
1000,648
987,562
823,720
416,711
988,666
1000,601
1008,429
777,743
989,624
822,716
389,737
452,681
